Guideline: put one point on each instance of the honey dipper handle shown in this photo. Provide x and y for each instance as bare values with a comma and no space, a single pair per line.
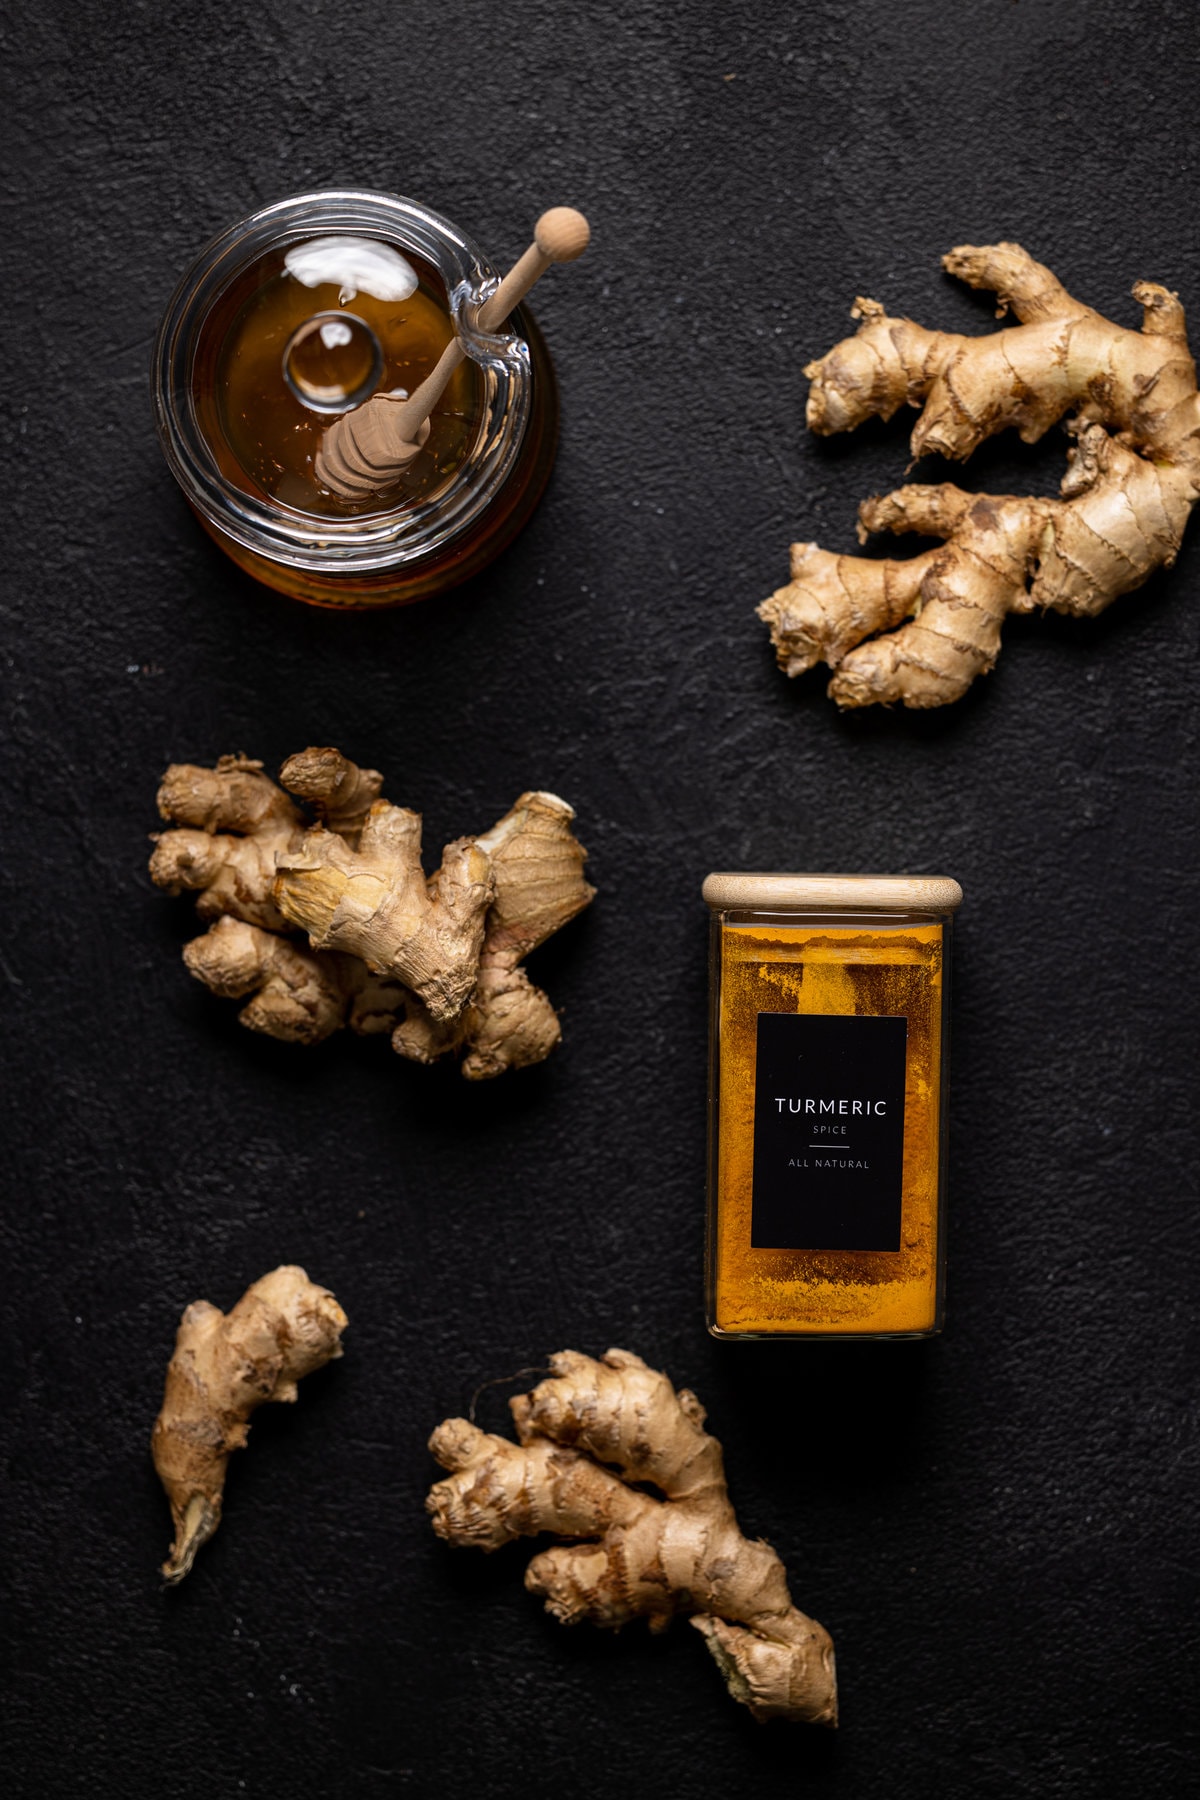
407,419
560,235
364,452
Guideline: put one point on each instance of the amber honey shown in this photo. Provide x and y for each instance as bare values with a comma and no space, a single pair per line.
266,437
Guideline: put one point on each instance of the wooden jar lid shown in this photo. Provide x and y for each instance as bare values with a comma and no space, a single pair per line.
832,893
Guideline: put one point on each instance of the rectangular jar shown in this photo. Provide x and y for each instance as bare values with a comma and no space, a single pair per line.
827,1104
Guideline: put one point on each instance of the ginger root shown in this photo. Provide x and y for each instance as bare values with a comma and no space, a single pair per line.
434,960
1132,480
224,1366
634,1555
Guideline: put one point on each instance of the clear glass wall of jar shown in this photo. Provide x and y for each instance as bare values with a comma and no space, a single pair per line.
389,553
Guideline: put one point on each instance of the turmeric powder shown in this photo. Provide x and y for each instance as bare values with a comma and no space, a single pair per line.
826,1189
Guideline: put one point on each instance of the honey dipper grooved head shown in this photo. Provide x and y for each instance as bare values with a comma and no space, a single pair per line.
562,234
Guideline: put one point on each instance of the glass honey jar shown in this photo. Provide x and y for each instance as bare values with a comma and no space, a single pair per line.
297,315
827,1104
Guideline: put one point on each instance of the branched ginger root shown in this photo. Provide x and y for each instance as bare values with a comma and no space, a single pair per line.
224,1366
434,960
588,1439
1132,480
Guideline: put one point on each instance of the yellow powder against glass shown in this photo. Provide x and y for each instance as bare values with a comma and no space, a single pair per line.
827,1104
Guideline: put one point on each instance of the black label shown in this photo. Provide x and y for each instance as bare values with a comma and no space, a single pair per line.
828,1132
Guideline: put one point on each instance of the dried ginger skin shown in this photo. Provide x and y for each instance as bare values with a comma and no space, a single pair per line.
1123,506
434,961
224,1366
585,1436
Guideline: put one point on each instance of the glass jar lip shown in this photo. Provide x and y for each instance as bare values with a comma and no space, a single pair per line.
392,537
724,891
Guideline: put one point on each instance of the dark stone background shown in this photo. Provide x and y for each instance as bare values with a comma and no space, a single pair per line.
995,1525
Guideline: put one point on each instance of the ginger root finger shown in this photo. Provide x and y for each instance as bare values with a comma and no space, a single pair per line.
1126,515
299,996
1124,503
231,876
507,1024
517,1492
537,871
591,1440
773,1677
233,822
339,792
294,995
233,796
888,363
510,1024
832,603
225,1365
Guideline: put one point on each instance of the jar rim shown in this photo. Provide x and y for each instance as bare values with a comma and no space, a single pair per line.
394,537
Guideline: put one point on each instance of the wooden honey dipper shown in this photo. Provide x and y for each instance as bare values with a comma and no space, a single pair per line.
364,451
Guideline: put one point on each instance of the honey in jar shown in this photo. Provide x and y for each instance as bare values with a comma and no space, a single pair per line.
300,314
309,332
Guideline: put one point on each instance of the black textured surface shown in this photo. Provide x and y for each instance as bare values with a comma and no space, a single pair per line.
995,1526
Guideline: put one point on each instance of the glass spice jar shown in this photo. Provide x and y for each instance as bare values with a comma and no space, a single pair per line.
240,421
827,1104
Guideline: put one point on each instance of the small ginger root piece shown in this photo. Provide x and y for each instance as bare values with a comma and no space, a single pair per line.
224,1366
432,960
1132,480
590,1440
